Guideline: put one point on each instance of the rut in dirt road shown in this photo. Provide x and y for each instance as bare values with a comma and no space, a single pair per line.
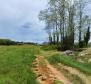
46,73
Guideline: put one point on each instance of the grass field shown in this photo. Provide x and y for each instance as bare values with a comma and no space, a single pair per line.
16,64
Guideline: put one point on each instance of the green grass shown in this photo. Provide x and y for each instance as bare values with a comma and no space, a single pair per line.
49,47
57,82
16,65
83,67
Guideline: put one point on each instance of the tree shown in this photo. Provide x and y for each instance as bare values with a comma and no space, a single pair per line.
64,20
87,35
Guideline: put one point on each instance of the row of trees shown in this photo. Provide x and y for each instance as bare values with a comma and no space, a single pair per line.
7,42
10,42
67,22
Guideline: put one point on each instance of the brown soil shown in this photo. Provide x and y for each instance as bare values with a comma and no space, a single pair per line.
46,73
85,78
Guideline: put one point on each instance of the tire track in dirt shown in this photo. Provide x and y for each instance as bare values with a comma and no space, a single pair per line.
85,78
46,73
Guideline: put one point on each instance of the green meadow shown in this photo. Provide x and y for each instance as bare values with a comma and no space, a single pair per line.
16,65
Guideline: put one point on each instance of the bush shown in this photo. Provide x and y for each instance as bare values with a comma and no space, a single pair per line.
66,44
49,47
81,44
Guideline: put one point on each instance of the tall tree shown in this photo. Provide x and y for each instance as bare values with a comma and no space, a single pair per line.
64,19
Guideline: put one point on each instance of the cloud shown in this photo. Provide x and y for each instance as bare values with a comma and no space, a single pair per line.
19,20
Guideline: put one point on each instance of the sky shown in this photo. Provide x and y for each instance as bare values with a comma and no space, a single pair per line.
19,20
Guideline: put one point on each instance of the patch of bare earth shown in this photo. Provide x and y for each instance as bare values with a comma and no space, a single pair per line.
46,73
85,78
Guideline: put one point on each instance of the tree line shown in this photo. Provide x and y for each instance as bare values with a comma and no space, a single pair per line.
7,42
67,22
10,42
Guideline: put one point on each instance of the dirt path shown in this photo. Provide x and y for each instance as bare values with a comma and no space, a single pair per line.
46,73
86,79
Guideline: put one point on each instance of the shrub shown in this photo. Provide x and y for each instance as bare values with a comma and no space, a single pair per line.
49,47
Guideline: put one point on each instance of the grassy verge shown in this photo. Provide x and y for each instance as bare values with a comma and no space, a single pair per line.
16,65
49,47
83,67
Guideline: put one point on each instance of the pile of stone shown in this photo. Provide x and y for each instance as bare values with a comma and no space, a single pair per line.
68,53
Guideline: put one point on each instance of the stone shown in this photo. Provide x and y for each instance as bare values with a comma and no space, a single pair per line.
68,52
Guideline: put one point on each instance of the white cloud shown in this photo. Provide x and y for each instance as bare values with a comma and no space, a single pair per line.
15,13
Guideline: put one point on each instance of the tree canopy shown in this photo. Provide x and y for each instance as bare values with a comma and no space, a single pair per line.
66,22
